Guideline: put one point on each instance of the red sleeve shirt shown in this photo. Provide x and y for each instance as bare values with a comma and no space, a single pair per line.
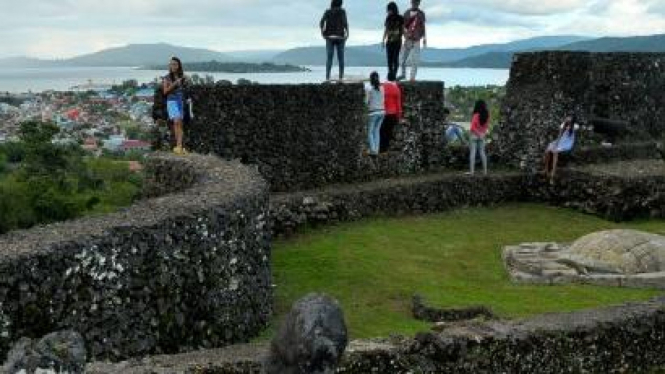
393,99
478,128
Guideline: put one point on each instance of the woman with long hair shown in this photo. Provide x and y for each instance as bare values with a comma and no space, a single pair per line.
376,105
392,37
172,86
480,122
563,144
335,30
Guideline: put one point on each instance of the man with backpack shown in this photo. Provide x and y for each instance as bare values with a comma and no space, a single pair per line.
414,32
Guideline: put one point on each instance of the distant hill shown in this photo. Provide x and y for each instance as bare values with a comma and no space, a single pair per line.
480,56
354,55
131,55
490,60
373,55
257,56
502,60
542,42
145,54
237,67
652,43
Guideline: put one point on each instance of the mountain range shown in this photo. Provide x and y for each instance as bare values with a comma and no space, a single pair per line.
480,56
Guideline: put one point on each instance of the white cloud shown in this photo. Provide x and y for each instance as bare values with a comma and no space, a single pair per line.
528,7
69,27
616,18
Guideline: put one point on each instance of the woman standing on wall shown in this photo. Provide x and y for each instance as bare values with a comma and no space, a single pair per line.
375,102
172,85
335,30
392,37
479,126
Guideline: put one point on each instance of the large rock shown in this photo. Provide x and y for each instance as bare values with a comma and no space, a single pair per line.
619,252
311,340
623,258
59,352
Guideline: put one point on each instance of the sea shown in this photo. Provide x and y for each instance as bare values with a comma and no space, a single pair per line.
22,80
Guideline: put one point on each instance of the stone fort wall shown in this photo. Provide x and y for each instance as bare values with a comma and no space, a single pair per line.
306,136
187,269
544,87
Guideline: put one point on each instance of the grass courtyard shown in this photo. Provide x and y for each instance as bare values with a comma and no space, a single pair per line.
373,267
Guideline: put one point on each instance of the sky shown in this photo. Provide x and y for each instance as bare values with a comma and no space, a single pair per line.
67,28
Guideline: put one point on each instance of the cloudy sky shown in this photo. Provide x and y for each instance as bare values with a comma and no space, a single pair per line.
65,28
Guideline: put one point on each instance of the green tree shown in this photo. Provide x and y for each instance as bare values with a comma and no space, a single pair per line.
14,151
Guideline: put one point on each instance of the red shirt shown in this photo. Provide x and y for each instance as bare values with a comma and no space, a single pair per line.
477,128
392,94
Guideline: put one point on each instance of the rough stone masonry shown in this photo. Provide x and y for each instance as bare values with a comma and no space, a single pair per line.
184,270
544,87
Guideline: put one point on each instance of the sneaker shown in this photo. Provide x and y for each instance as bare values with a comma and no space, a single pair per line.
401,77
178,151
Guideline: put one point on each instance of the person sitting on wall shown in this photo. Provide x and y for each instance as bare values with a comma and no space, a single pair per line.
394,113
453,132
563,144
375,102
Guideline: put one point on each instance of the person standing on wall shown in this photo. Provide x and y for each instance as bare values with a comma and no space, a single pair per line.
394,112
173,85
335,30
480,124
376,104
414,31
392,37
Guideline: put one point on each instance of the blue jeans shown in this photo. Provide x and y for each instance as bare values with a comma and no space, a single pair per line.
331,45
477,145
374,131
454,132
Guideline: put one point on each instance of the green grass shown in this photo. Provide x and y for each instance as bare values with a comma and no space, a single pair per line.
373,267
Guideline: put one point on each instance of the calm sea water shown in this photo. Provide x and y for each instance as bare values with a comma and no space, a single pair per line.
62,79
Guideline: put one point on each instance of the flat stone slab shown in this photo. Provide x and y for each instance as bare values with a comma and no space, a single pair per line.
618,258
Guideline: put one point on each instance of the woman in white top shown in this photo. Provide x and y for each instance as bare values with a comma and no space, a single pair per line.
375,102
563,144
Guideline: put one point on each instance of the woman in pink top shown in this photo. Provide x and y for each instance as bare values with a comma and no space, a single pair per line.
479,125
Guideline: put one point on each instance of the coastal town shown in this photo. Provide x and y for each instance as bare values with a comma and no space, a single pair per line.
101,118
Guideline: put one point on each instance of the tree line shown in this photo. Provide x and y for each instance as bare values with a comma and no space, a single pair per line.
42,181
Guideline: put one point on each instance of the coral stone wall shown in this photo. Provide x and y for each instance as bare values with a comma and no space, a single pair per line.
181,271
305,136
546,86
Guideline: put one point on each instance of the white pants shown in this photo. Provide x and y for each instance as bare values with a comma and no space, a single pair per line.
411,54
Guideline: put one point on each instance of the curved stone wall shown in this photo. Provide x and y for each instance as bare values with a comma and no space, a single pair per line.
172,273
622,339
